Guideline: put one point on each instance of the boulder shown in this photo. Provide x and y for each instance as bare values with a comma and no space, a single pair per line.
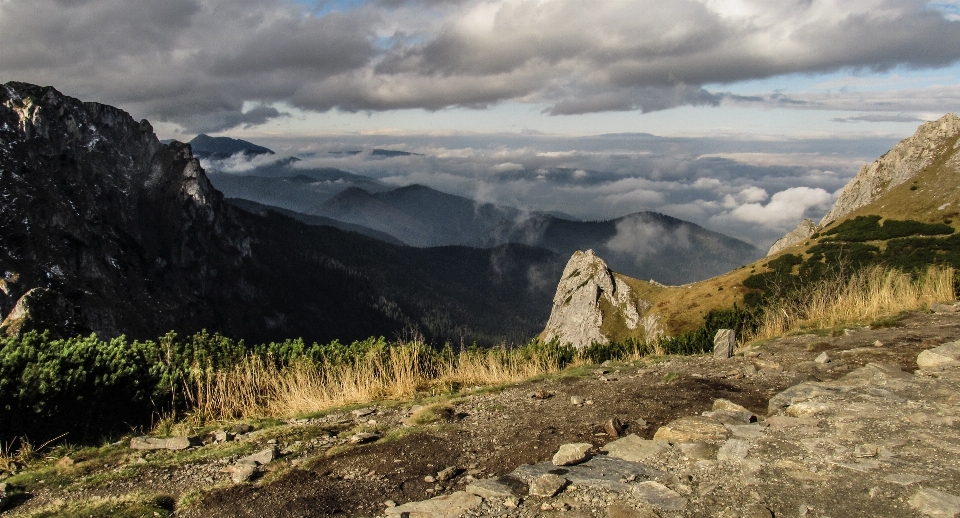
446,506
946,355
692,429
724,343
635,449
548,485
161,443
573,453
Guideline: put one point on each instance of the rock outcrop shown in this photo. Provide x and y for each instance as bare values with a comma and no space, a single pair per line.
804,230
898,165
591,300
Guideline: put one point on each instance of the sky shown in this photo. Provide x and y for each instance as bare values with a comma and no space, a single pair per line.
743,116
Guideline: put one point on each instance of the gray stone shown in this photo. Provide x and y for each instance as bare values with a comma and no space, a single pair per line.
161,443
731,416
726,404
601,472
573,453
446,506
724,343
261,458
363,412
804,230
932,502
576,400
943,308
447,473
823,358
240,473
698,450
946,355
692,429
500,487
635,449
548,485
364,437
659,495
614,428
733,450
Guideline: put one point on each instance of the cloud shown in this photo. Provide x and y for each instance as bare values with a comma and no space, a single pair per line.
880,117
780,215
199,63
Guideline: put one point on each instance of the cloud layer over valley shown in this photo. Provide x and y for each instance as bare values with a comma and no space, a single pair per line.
744,188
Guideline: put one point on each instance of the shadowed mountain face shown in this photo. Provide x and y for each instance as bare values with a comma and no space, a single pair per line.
132,235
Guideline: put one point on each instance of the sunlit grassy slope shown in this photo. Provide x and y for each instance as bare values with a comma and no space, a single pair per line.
931,196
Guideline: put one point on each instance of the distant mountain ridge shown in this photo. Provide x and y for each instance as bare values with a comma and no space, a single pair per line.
205,146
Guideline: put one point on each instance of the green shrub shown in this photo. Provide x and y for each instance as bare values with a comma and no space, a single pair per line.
868,228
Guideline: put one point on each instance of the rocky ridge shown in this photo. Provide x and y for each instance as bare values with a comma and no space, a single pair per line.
589,296
931,142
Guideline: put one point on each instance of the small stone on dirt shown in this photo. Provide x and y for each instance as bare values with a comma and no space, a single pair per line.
364,437
576,400
823,358
240,473
500,487
445,506
573,453
363,412
614,428
447,473
261,458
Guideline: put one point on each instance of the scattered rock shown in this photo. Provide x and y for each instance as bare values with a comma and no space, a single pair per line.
161,443
733,417
429,479
363,412
733,450
878,343
946,355
614,428
723,343
447,473
500,487
823,358
573,453
932,502
548,485
576,400
635,449
241,428
698,450
261,458
944,308
600,472
389,503
446,506
767,366
659,495
692,429
364,437
240,473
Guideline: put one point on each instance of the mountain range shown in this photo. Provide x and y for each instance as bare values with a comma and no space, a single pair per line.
644,245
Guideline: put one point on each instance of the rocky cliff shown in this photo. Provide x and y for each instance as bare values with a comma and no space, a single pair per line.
595,305
112,231
898,165
932,142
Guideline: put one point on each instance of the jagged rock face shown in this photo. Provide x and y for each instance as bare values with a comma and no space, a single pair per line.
804,230
42,309
898,165
578,314
97,209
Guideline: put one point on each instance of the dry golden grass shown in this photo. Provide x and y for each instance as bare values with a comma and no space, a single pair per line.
868,295
256,388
